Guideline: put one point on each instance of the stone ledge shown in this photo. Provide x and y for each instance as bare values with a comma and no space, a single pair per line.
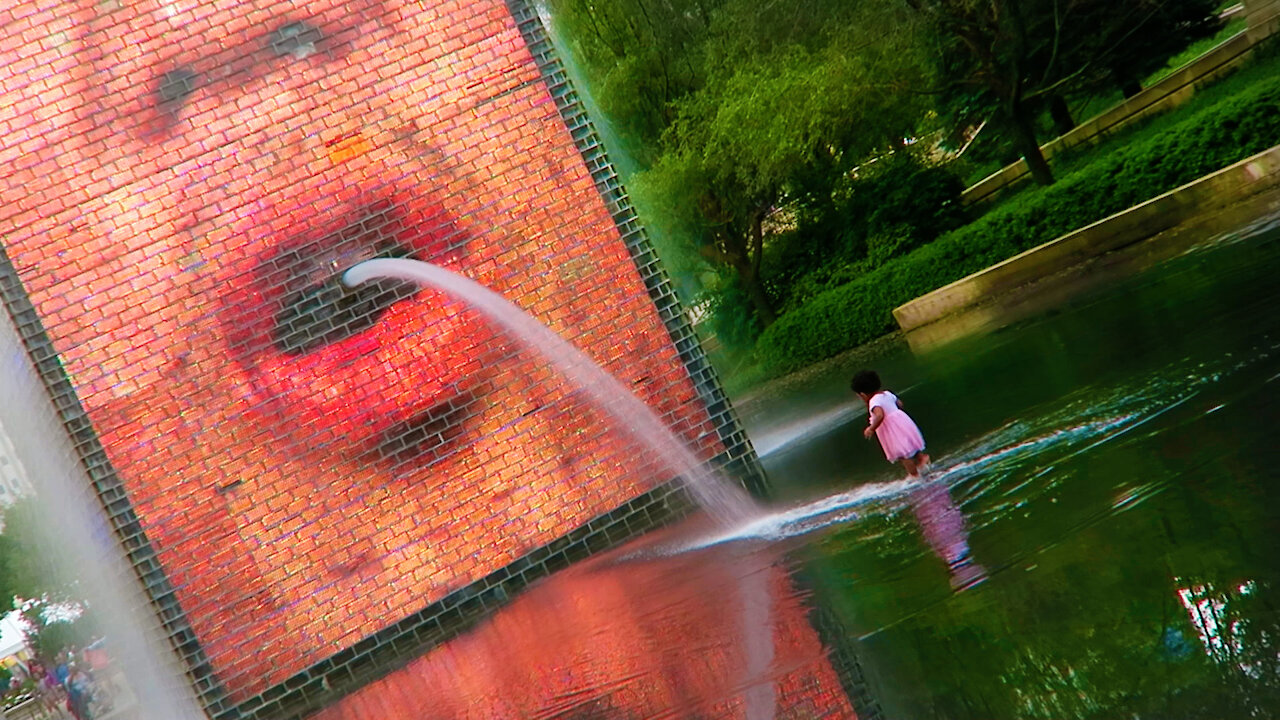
1231,184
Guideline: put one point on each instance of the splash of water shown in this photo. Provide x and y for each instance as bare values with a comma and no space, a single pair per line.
76,531
720,498
798,521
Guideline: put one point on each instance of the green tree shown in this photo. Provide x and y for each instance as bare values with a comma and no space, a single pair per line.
997,57
1124,42
788,108
50,637
37,577
735,108
1011,58
639,57
32,566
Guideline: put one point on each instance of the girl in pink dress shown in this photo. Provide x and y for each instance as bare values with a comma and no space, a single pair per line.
897,432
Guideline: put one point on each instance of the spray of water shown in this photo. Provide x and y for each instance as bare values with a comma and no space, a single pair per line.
798,521
76,528
720,498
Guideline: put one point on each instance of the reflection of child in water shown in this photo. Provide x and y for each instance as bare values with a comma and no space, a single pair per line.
940,520
943,527
899,437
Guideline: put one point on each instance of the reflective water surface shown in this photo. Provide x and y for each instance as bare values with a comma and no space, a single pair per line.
1096,539
1106,474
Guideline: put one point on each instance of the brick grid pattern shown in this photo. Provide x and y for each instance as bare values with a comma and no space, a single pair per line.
739,459
306,476
644,640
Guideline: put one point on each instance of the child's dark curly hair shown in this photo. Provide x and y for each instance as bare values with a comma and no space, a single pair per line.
866,382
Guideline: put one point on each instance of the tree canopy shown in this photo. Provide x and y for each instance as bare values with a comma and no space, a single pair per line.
37,577
753,122
736,103
1008,57
641,56
32,568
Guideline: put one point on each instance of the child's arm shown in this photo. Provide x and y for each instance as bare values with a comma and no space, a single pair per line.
877,417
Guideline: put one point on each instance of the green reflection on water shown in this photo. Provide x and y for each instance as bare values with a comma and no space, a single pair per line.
1116,467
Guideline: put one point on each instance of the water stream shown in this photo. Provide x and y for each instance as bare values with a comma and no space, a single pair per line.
714,494
1096,537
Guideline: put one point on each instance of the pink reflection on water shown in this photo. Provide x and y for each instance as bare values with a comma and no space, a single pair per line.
663,638
943,526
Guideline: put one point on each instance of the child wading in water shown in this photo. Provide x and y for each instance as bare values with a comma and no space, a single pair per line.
897,432
940,520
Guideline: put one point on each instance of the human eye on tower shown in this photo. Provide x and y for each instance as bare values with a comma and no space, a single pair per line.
289,41
298,40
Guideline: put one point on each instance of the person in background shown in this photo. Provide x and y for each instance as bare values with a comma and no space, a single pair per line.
79,692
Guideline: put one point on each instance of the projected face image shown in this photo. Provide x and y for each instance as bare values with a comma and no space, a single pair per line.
309,462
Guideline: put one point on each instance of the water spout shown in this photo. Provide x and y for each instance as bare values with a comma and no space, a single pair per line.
719,497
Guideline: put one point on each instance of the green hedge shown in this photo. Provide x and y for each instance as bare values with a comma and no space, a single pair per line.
1207,140
895,206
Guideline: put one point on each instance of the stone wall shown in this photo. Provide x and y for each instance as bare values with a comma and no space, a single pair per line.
1170,92
1246,178
1264,18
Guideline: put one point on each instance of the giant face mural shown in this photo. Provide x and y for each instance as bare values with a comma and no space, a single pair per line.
186,180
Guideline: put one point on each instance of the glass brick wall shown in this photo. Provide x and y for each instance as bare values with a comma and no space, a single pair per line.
317,486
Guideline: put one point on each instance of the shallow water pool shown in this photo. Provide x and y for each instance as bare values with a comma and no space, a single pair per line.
1099,535
1096,539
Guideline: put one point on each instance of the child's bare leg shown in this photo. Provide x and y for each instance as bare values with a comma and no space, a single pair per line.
911,466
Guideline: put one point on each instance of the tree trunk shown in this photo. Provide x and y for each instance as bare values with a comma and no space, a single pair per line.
1063,123
1028,146
759,300
1128,84
751,278
740,252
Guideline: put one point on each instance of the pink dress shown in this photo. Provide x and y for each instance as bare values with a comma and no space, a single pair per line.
898,434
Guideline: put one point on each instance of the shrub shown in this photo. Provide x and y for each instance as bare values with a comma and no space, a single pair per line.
1222,133
888,243
913,200
731,316
895,206
820,280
